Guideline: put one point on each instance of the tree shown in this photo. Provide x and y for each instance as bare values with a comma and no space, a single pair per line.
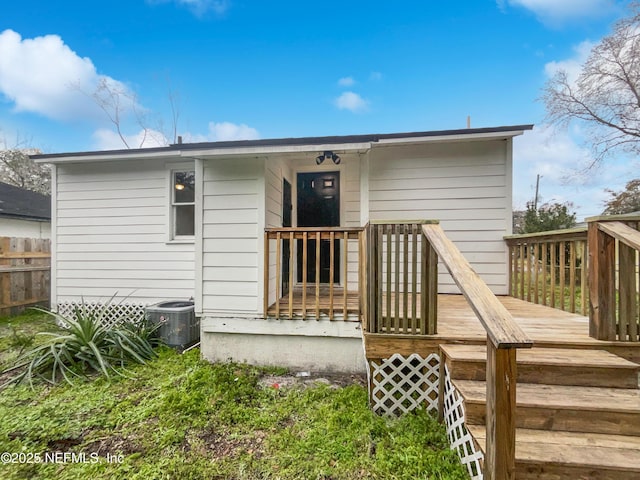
554,216
605,97
626,201
119,103
16,168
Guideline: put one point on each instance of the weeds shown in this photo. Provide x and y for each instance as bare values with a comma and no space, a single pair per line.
85,346
184,418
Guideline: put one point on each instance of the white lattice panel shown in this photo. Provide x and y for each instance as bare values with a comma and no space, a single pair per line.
459,437
400,385
114,314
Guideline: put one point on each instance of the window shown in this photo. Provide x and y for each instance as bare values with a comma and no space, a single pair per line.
183,203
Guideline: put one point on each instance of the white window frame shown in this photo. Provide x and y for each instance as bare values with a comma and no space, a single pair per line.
171,216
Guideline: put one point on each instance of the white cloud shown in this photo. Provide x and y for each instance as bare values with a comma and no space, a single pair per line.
571,65
351,101
555,12
223,132
106,139
560,159
375,76
43,75
200,7
227,131
346,82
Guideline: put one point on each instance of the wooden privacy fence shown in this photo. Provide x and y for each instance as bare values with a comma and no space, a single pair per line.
25,274
402,279
550,268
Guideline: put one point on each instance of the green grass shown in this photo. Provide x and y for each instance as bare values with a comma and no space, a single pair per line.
182,418
20,333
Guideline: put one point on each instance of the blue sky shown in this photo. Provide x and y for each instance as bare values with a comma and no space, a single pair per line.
255,69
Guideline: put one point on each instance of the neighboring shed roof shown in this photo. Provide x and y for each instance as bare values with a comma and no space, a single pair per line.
274,144
24,204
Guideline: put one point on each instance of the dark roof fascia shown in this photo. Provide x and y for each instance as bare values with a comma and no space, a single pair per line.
275,142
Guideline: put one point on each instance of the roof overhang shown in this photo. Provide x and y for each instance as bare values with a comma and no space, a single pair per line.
287,146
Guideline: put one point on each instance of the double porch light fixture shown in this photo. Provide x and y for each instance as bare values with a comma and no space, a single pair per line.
326,155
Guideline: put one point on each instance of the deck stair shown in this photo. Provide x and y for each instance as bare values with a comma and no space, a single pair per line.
577,414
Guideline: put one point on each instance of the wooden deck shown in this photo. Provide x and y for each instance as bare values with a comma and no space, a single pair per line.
546,326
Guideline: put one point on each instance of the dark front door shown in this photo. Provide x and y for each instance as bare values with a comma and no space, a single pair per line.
287,207
319,206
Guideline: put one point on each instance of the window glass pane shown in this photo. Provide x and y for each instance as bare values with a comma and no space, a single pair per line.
184,187
185,220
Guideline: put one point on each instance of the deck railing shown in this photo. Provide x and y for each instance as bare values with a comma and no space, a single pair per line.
504,336
401,279
614,265
550,268
299,257
593,270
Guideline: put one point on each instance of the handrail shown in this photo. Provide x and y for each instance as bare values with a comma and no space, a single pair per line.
501,328
622,232
565,234
504,336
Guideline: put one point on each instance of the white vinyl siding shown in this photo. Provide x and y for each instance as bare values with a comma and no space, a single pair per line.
11,227
231,235
111,234
464,185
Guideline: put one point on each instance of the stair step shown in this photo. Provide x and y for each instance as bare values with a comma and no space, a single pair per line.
559,407
552,455
550,366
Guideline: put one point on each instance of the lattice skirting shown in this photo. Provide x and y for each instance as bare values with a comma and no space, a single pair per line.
459,437
400,385
112,314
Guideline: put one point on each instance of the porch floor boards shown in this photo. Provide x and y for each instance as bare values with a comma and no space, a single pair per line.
353,303
456,321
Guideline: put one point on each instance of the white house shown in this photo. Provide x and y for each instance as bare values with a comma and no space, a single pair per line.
189,220
23,213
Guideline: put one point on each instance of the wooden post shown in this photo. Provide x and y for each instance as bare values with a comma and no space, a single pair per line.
432,302
628,293
500,457
305,254
5,277
278,273
290,279
332,255
414,277
601,284
378,239
345,267
266,275
317,275
424,285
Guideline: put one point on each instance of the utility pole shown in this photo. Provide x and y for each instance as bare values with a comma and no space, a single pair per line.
535,201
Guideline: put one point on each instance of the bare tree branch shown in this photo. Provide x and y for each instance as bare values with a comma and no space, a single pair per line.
605,98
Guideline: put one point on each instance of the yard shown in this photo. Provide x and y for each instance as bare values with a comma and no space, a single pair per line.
181,418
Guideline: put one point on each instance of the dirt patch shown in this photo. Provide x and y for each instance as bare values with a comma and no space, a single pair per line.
217,444
63,444
112,445
310,379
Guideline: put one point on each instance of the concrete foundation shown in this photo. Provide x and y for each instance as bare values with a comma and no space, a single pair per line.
300,345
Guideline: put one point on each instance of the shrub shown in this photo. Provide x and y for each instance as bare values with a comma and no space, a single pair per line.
85,346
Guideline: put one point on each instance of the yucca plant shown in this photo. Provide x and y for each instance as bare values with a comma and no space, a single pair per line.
85,346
